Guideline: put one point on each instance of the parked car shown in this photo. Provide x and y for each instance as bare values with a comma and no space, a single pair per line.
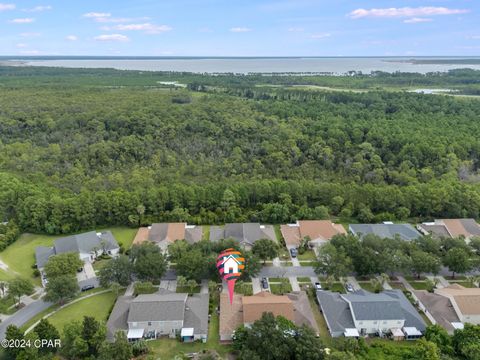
264,283
349,287
293,252
87,287
318,286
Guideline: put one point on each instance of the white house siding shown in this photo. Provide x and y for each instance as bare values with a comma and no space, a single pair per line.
372,326
162,328
472,319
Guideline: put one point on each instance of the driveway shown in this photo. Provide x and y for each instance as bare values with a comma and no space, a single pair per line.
204,287
23,315
170,285
352,281
256,285
295,261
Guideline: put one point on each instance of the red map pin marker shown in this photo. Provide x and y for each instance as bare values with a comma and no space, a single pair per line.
230,264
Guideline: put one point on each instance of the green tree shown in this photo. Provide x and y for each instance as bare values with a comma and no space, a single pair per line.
120,349
45,330
61,289
73,345
93,333
333,261
439,336
423,262
13,333
458,261
62,264
191,285
466,342
149,263
308,345
19,287
265,249
426,350
117,270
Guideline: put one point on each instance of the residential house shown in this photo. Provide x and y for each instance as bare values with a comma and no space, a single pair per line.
88,246
386,230
465,302
363,313
439,308
245,310
319,232
245,233
164,313
164,234
451,228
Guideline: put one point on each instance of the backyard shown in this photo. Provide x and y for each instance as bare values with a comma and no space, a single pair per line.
169,348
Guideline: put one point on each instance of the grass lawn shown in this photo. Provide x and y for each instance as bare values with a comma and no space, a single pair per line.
418,285
20,256
6,276
336,287
206,232
166,349
283,253
124,235
307,255
273,279
275,288
397,285
97,306
466,284
97,265
245,289
457,277
186,289
367,286
308,263
322,325
303,279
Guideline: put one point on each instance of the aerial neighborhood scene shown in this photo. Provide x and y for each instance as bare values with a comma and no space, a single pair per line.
250,180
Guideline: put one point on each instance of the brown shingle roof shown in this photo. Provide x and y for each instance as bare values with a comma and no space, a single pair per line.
168,232
231,316
142,235
254,306
291,234
467,299
320,229
439,307
461,227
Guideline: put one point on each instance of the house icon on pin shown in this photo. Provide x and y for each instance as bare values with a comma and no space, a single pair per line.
230,265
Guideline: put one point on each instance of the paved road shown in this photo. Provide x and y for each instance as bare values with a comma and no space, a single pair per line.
287,271
23,315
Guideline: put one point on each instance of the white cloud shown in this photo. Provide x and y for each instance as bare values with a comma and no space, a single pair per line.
21,45
71,38
22,21
405,12
39,8
417,20
146,27
29,52
474,37
240,29
296,29
4,7
112,37
30,34
320,36
96,15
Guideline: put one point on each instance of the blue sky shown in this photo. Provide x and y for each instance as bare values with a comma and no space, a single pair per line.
240,28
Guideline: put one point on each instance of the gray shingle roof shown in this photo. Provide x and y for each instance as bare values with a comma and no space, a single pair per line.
158,232
412,317
42,254
85,243
404,231
471,226
118,317
335,310
157,307
368,306
196,313
244,233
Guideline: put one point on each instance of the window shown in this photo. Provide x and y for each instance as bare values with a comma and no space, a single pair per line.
149,323
375,322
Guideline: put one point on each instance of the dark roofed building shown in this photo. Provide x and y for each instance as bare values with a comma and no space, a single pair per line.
363,312
391,231
164,234
245,233
163,313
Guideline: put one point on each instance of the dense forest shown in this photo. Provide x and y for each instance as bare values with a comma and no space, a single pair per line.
85,147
